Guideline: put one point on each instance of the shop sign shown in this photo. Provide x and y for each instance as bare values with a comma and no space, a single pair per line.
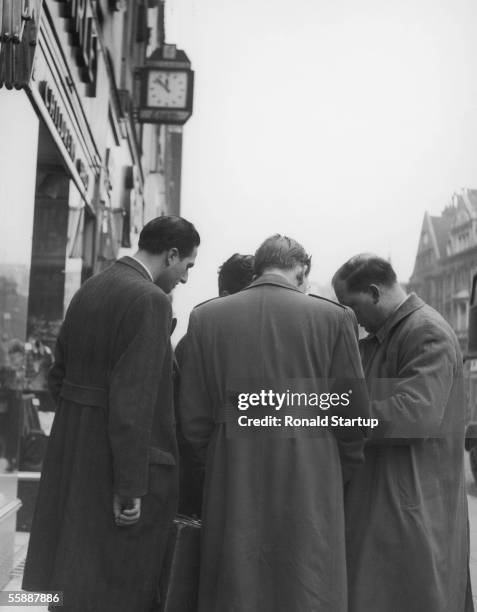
55,111
80,24
63,128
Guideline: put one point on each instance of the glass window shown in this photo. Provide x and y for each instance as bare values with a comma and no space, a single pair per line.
18,152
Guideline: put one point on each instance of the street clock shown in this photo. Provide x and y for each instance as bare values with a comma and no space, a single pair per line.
166,85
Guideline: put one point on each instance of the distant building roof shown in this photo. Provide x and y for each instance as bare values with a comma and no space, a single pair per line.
469,197
441,227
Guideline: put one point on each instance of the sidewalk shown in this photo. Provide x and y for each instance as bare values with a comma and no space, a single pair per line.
21,544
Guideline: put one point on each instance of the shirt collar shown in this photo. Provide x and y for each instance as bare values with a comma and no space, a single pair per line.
144,266
400,304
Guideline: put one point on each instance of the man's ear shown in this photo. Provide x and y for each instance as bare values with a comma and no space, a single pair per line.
172,255
375,293
300,274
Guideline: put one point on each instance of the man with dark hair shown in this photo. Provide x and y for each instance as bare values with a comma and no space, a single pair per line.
169,232
235,274
108,491
273,529
406,509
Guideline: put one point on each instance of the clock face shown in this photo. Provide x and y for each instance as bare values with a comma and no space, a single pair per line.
167,89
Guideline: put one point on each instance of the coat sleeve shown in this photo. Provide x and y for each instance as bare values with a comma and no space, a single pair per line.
133,390
195,404
56,373
347,373
412,406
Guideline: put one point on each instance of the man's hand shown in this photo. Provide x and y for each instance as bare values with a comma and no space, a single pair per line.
126,510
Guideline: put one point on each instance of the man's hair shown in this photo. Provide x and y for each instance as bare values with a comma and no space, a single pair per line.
168,232
236,273
280,252
363,270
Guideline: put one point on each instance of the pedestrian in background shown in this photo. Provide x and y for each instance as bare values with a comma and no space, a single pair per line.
108,491
406,509
273,522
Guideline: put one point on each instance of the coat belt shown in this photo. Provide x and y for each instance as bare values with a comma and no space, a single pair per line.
82,394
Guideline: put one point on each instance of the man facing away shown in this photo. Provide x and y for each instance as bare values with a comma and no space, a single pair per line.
273,524
406,509
234,274
108,491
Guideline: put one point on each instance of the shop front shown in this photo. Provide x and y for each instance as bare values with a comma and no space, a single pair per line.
69,188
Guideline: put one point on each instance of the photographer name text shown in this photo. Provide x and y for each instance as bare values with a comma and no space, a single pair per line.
318,421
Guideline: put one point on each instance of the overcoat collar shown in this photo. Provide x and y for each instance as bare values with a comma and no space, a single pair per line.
411,304
272,279
132,263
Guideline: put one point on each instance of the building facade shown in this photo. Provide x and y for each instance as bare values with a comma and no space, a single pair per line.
445,263
79,177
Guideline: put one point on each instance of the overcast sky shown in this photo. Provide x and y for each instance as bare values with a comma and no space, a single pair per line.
336,122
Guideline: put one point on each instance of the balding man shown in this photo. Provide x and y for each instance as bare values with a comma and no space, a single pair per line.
406,509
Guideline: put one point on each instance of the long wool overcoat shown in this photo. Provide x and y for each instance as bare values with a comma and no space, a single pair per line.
406,508
113,432
273,519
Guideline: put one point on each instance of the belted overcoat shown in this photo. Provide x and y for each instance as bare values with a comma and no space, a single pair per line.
273,519
113,432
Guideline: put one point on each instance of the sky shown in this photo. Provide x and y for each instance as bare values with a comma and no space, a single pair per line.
335,122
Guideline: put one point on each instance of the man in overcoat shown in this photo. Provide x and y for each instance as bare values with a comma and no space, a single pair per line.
273,521
108,491
406,509
234,274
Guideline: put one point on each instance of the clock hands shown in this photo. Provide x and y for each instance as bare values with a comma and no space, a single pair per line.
167,90
163,84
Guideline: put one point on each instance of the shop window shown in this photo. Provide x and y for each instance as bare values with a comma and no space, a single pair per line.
49,244
18,154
